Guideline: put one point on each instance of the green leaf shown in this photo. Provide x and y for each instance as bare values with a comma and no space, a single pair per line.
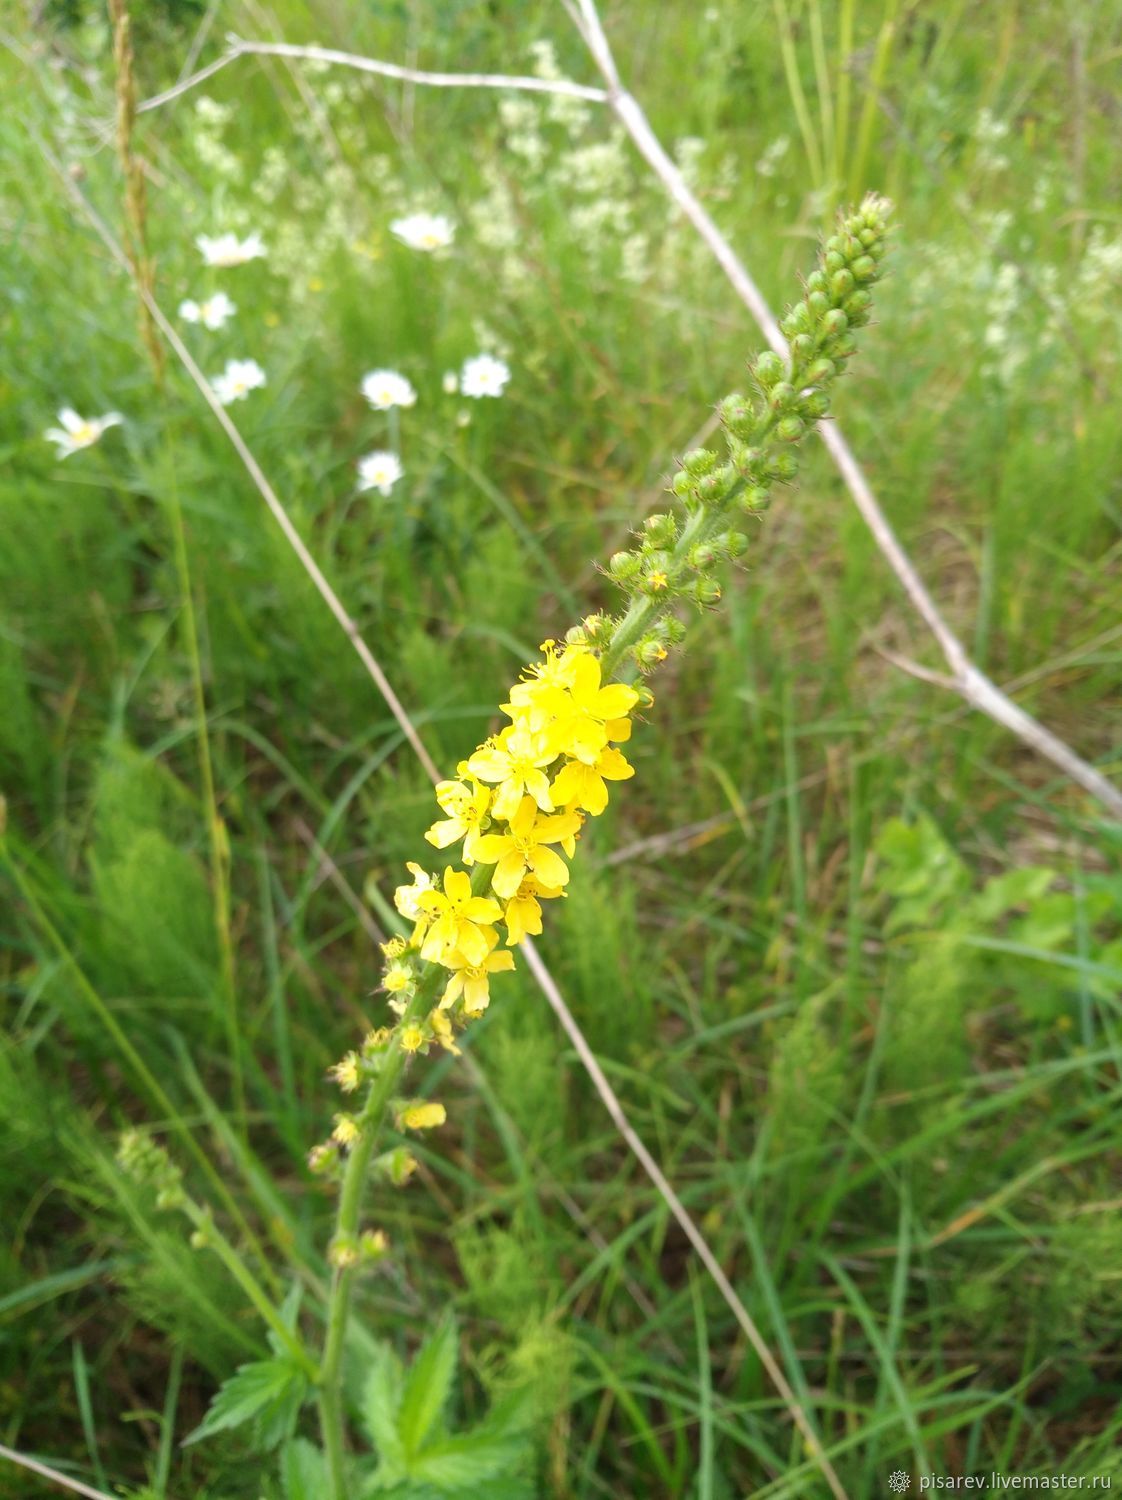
269,1388
427,1387
381,1403
303,1471
468,1459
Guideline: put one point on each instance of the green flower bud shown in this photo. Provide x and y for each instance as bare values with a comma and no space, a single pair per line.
675,630
833,261
821,371
864,268
700,557
595,628
857,303
660,530
802,346
780,396
790,429
649,652
754,498
732,543
683,484
623,566
797,320
768,368
816,282
737,415
834,323
707,591
575,636
819,303
783,466
841,283
713,488
699,462
845,346
814,404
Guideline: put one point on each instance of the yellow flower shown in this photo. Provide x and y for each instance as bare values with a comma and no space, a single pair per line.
346,1130
397,979
442,1031
524,849
523,914
581,785
407,897
345,1073
472,980
412,1038
421,1114
515,761
455,915
466,807
584,715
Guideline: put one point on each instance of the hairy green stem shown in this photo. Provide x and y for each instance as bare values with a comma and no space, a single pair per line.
370,1122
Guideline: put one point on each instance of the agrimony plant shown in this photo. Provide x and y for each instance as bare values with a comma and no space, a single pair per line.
514,813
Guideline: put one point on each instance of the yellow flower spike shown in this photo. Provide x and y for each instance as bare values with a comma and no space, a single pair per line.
346,1073
581,785
523,914
456,916
421,1114
524,849
466,806
515,760
473,980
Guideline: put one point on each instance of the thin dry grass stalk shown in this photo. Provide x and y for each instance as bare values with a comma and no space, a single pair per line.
136,202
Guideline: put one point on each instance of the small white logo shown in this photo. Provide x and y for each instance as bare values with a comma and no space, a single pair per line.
898,1482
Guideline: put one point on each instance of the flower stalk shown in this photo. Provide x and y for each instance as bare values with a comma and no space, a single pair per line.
530,787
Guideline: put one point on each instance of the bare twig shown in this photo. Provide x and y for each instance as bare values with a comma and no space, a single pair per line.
968,681
537,967
239,48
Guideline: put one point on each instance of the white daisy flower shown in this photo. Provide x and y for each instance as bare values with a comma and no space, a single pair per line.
379,471
237,380
424,231
228,250
386,388
451,383
484,376
211,314
79,432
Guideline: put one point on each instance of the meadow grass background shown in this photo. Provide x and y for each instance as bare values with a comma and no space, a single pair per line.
867,1016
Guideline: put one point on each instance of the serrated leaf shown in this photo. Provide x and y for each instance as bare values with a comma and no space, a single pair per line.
381,1403
303,1471
289,1312
259,1388
467,1460
427,1387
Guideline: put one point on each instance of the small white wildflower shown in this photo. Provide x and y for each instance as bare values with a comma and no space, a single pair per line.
211,314
424,231
450,383
379,471
386,388
237,380
228,250
484,376
79,432
768,164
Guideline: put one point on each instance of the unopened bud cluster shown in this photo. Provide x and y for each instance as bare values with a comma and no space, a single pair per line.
150,1165
675,559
